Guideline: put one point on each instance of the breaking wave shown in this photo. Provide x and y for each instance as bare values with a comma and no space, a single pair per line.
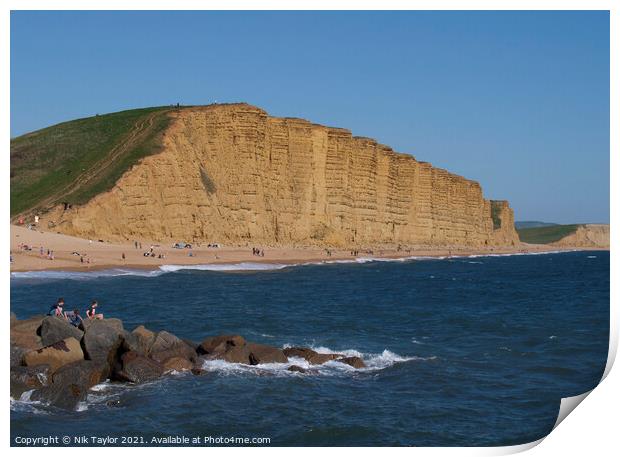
374,362
243,266
54,275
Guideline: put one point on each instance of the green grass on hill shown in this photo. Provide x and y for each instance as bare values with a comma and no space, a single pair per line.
545,235
93,152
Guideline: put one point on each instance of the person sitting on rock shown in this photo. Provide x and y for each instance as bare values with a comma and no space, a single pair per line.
92,311
56,308
74,317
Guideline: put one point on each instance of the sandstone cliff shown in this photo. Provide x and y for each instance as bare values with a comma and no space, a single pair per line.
234,174
587,236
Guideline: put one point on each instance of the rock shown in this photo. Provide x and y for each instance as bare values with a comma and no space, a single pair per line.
112,322
69,385
220,344
56,355
28,378
17,355
25,333
297,369
198,369
355,362
141,340
233,354
178,364
54,329
13,318
101,341
137,368
311,356
166,346
261,353
234,349
319,358
191,344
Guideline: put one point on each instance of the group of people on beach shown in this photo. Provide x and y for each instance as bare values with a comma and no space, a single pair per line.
73,317
258,252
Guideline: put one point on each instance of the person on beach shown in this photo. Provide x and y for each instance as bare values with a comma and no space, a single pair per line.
92,311
56,308
74,317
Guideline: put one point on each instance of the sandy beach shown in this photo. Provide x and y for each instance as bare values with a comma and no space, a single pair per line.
29,251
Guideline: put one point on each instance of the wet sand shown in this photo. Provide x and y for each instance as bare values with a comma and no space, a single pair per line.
68,252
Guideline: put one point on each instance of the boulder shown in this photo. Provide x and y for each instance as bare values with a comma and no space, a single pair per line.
166,346
311,356
219,344
25,333
137,368
355,362
297,369
102,339
233,354
177,364
58,354
54,329
143,339
319,358
261,353
17,355
69,385
28,378
198,369
112,322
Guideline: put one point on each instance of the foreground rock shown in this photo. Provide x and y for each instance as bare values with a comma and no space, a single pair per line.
178,364
355,362
61,373
25,333
102,340
54,329
56,355
137,368
24,379
70,384
235,349
311,356
167,346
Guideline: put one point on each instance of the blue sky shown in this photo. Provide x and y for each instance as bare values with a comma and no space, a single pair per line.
518,101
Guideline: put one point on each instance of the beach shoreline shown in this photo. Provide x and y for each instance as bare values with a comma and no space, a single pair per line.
76,254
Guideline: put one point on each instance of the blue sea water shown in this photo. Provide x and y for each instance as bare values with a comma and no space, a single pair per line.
461,352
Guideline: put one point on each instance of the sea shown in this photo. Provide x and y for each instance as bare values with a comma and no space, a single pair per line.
460,351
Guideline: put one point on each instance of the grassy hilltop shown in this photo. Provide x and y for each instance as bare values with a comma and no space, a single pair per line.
74,161
547,234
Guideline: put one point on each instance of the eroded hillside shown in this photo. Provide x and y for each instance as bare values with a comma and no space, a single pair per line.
234,174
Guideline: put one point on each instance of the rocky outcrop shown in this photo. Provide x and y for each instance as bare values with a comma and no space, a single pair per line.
62,373
311,356
234,174
587,236
54,329
70,384
28,378
25,333
137,368
58,354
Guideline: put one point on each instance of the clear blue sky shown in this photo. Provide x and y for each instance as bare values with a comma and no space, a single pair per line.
518,101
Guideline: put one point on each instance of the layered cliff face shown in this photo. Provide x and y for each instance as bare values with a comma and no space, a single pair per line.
233,174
